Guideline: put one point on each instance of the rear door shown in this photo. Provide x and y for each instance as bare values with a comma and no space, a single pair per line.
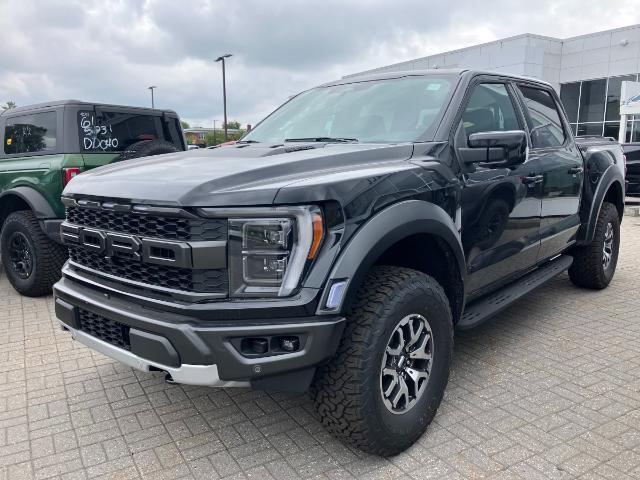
561,166
500,206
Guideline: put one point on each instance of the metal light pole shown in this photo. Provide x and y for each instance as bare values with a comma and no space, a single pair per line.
151,89
224,91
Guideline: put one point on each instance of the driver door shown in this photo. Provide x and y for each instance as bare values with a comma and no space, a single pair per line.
501,207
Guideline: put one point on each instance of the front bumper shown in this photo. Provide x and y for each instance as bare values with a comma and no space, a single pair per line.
200,352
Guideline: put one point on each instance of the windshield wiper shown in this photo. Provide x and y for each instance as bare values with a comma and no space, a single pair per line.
247,141
322,139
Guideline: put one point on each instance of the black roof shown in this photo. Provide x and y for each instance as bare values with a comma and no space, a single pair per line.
71,102
438,71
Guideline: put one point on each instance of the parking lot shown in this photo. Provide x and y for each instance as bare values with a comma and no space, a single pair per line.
550,389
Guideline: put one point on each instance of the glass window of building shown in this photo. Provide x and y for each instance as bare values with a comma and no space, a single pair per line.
611,129
570,96
592,99
590,128
613,96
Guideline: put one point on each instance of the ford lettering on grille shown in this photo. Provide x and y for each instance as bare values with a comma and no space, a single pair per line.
131,247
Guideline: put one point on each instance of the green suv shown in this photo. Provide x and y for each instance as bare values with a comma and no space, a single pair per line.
44,147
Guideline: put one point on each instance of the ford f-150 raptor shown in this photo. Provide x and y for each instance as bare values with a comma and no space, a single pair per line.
338,245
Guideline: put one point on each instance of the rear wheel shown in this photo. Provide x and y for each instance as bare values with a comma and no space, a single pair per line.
594,264
31,260
386,382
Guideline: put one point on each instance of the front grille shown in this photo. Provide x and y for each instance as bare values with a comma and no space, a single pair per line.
171,228
200,281
110,331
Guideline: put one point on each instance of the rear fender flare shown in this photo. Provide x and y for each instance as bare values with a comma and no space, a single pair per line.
611,176
385,229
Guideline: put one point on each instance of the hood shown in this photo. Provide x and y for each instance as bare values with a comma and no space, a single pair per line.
244,174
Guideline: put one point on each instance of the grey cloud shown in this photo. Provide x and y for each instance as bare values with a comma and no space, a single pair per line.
111,51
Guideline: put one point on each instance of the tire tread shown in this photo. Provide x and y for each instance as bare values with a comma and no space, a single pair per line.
342,399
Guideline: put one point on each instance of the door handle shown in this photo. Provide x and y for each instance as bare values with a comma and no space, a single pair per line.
532,179
576,170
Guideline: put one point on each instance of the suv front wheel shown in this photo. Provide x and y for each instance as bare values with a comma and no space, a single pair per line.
31,260
383,387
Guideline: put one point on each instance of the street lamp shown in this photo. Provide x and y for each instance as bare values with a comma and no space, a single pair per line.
151,89
224,91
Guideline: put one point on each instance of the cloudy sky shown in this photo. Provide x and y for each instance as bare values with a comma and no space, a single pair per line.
110,51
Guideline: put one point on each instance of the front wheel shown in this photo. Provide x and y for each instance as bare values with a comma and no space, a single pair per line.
594,264
384,386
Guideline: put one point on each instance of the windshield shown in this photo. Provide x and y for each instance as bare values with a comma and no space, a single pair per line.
391,110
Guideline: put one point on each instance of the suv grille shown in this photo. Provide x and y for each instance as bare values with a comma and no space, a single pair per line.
149,226
110,331
200,281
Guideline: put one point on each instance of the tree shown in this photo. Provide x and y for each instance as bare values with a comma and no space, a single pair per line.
234,125
184,124
210,139
9,105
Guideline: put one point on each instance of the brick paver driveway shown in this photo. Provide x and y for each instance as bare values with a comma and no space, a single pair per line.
550,389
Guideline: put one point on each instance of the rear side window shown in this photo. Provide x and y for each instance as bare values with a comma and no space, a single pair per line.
106,131
35,133
543,117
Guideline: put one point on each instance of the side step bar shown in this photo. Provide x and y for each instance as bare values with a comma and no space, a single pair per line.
484,308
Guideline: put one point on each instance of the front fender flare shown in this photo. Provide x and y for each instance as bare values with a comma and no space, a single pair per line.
386,228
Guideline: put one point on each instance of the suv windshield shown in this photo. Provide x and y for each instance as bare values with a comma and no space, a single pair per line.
390,110
114,131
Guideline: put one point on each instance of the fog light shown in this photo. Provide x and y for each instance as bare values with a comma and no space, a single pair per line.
290,344
254,346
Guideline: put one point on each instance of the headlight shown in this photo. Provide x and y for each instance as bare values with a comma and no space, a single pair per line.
269,249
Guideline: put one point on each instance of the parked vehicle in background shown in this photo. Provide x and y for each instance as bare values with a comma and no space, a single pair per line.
340,242
44,147
632,152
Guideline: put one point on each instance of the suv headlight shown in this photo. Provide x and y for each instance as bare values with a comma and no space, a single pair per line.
270,248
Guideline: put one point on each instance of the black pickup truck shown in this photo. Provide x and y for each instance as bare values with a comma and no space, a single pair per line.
632,152
338,245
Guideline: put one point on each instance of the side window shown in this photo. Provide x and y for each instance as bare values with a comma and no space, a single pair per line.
30,133
543,117
489,109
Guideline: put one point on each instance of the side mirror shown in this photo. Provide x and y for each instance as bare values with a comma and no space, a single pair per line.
497,149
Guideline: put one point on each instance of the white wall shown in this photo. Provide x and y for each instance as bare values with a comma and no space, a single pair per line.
601,55
557,61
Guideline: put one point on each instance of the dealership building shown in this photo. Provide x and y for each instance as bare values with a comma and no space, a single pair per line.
587,70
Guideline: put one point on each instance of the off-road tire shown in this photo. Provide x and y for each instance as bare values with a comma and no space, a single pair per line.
587,269
48,256
347,390
147,148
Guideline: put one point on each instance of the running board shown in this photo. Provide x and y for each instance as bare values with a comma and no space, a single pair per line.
484,308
